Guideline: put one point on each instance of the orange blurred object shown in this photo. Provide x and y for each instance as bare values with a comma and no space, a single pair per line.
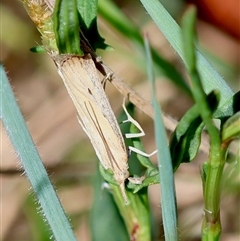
223,14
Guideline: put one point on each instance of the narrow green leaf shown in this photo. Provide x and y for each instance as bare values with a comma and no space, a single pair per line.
168,201
31,162
211,79
66,27
185,148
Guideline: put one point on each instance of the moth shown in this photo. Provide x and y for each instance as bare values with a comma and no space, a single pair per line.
95,114
96,117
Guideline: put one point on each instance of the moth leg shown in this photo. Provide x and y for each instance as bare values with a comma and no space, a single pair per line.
135,135
130,119
107,77
137,180
142,153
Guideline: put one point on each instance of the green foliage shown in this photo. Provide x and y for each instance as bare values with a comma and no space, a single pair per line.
212,171
76,32
168,199
66,27
75,27
31,162
88,23
211,80
229,108
186,138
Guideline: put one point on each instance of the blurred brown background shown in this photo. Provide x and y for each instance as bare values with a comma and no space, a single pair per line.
51,119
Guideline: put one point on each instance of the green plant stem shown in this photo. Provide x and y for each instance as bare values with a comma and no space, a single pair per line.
136,215
211,228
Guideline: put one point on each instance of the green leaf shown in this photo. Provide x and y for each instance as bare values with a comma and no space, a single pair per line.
66,27
186,138
38,49
231,128
88,23
210,78
186,147
33,167
166,177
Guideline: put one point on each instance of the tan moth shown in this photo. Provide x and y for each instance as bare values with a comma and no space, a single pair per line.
96,117
95,114
81,79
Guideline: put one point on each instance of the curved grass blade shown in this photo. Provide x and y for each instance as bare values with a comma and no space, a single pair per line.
167,25
168,200
32,164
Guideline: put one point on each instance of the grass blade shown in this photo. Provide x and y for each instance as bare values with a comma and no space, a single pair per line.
210,77
31,162
166,178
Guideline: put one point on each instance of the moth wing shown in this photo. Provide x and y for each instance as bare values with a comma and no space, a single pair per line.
95,114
